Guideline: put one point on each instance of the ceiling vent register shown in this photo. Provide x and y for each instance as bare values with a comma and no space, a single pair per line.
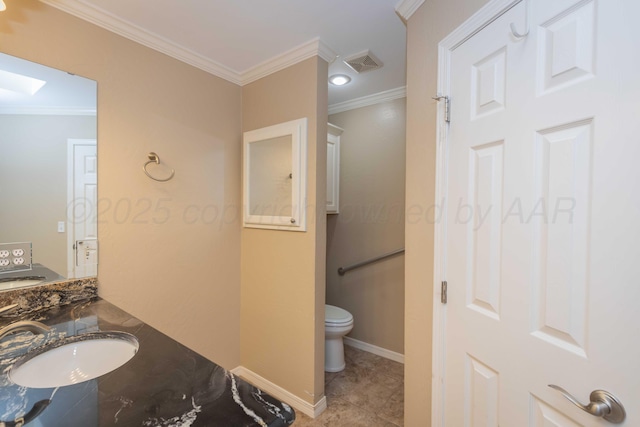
363,61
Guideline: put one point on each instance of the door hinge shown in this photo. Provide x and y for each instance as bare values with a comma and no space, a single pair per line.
447,107
443,292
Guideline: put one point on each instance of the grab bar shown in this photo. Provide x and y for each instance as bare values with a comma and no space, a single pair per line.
343,270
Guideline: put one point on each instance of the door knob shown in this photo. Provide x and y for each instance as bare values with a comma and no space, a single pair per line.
603,404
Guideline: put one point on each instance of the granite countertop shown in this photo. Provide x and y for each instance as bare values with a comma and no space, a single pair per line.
165,384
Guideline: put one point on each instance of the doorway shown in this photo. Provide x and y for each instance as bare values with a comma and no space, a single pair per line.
82,204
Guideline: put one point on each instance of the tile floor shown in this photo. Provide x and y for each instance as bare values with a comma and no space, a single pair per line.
368,393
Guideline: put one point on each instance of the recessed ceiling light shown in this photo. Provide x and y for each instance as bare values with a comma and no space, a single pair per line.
339,79
2,6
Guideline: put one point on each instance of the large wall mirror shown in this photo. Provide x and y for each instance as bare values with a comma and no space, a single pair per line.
275,176
48,175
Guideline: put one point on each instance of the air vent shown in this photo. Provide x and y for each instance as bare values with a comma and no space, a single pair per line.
363,61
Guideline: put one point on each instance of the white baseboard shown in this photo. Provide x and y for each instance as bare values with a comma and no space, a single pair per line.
279,393
382,352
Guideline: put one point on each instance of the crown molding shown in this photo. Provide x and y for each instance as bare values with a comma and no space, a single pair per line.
365,101
110,22
48,111
406,8
315,47
139,35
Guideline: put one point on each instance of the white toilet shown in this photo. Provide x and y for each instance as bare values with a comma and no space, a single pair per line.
337,323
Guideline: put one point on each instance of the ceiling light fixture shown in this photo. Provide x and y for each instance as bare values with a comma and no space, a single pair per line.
336,79
3,6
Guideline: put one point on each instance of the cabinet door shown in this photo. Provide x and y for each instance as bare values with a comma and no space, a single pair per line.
333,173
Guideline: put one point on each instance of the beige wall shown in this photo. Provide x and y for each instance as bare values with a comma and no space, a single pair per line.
33,181
183,273
283,272
433,21
173,260
370,223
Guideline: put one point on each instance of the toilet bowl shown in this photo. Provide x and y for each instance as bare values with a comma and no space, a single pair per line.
337,323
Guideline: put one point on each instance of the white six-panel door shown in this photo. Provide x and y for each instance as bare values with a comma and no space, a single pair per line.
542,243
82,205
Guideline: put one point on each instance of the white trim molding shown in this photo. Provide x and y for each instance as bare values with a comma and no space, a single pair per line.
315,47
485,16
365,101
110,22
49,111
379,351
406,8
278,392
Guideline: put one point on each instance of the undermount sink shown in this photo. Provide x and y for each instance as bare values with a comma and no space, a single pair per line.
74,359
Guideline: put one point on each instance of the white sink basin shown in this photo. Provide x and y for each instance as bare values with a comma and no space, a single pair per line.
74,360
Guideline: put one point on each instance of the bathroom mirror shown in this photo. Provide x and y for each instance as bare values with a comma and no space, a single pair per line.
275,176
48,180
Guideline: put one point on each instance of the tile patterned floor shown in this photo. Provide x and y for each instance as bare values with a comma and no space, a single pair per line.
368,393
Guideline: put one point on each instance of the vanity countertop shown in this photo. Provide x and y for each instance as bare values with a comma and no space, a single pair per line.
165,384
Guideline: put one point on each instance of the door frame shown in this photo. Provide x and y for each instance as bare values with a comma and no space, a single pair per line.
482,18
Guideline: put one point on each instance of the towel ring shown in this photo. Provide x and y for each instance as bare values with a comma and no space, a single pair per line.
154,158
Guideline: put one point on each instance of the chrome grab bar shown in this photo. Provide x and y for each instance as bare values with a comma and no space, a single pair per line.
343,270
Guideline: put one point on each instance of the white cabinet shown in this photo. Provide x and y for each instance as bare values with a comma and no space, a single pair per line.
333,168
275,176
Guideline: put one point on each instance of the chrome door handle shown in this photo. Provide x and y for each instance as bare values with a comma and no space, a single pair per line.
603,404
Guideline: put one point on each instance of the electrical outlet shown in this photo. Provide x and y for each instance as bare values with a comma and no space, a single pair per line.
15,257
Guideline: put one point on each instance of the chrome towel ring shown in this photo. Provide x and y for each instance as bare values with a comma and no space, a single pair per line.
154,158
